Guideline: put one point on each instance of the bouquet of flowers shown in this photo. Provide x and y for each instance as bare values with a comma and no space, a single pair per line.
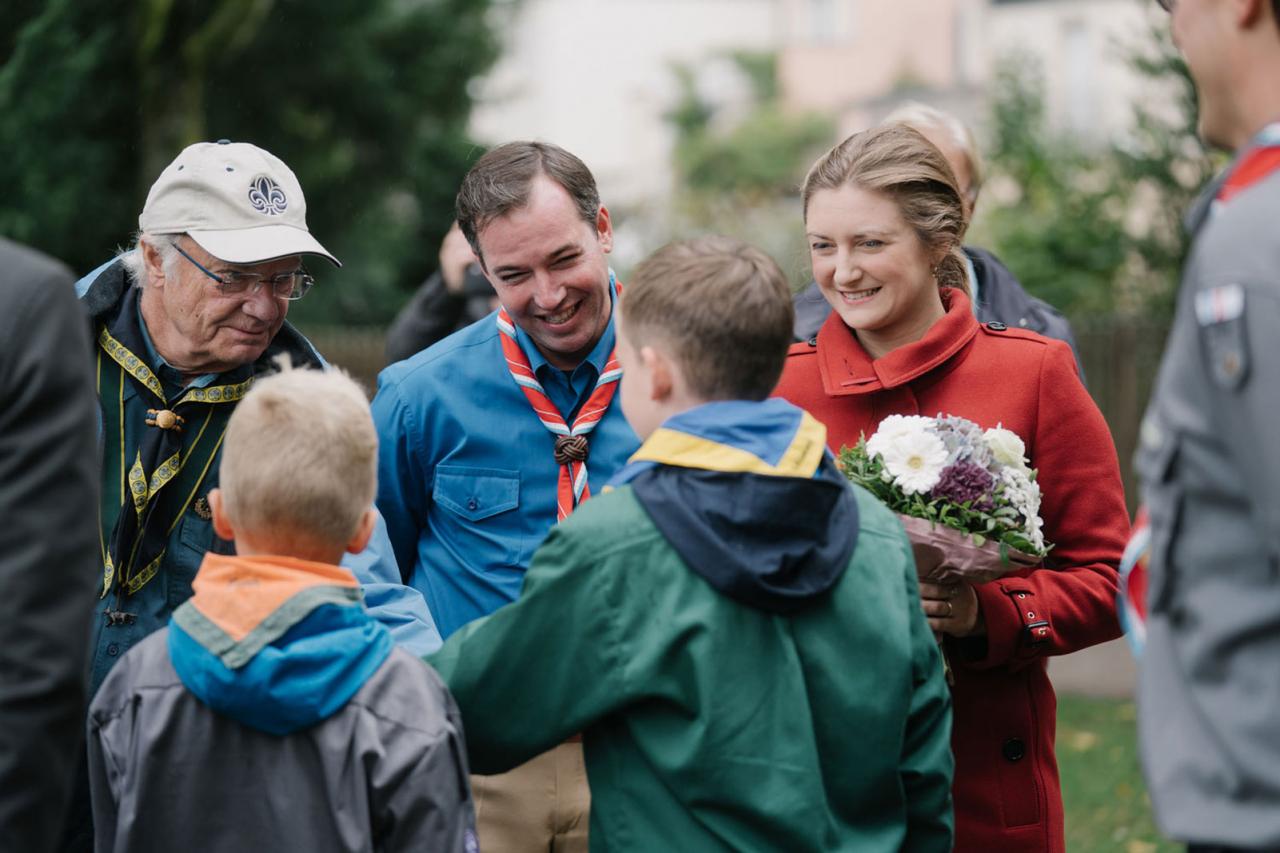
967,498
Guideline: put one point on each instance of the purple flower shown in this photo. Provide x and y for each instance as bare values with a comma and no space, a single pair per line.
965,482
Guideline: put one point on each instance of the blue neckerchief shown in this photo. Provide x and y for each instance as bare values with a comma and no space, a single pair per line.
749,497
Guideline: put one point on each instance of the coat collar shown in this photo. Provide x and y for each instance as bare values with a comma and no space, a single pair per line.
847,369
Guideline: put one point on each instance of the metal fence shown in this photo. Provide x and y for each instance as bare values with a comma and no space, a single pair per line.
1120,356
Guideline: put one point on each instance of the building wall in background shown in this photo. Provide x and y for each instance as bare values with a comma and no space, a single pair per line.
595,77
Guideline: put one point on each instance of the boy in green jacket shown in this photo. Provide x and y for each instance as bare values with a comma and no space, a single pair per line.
735,630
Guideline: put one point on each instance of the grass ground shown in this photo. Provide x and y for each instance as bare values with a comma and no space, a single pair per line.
1107,808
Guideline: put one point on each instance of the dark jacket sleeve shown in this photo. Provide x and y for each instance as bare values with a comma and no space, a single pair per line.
431,315
48,542
1004,299
420,789
927,766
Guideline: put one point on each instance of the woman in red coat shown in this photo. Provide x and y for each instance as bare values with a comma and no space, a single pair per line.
885,222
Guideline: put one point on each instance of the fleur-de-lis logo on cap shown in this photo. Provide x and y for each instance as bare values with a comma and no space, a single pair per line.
266,196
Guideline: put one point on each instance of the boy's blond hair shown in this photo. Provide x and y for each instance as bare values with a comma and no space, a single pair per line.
300,458
722,308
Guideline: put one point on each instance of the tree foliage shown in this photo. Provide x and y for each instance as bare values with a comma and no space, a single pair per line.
739,170
763,153
1096,229
366,100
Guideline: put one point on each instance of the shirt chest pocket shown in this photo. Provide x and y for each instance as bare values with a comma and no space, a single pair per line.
480,519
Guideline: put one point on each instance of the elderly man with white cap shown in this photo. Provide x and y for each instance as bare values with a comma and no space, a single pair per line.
183,322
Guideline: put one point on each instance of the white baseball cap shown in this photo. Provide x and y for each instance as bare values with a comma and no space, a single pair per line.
241,204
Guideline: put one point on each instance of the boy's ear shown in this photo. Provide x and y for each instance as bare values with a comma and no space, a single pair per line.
221,524
364,532
661,373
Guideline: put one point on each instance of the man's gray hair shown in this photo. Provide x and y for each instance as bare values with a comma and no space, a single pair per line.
131,258
925,118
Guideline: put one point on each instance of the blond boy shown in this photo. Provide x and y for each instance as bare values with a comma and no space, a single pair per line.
274,713
735,631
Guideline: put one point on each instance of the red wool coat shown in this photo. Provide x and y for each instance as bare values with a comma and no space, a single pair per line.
1007,794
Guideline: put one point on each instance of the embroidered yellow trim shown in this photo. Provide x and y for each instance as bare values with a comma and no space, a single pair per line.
136,368
109,572
217,393
167,470
139,580
138,485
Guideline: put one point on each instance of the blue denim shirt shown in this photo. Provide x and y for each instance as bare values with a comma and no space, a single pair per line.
397,606
467,476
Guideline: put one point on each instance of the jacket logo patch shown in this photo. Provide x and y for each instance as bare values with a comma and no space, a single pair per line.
1219,304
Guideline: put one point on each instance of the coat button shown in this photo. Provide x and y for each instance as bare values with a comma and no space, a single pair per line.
813,342
1014,749
996,326
113,650
473,504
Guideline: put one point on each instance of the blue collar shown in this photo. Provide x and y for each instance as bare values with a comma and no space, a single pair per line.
974,284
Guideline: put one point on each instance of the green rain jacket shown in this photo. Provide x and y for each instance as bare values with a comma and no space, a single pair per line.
713,722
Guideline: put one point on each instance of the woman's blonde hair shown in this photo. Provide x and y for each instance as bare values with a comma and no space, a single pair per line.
900,162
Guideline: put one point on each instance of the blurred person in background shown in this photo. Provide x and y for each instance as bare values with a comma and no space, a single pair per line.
885,221
1208,686
454,296
48,551
997,295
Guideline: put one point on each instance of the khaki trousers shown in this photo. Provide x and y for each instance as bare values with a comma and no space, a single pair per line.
542,806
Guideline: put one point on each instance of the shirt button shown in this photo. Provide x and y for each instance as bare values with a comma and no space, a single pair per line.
1014,749
473,504
113,650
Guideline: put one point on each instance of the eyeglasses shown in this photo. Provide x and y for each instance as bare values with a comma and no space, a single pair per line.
287,285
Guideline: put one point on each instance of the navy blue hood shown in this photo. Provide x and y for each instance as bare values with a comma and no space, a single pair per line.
748,496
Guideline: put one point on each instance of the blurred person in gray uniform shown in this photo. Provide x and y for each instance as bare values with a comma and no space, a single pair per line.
48,550
1209,685
998,297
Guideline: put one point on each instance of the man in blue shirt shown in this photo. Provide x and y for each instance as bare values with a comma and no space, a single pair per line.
490,436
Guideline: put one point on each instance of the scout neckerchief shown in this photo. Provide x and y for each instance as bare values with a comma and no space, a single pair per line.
144,497
1259,161
571,441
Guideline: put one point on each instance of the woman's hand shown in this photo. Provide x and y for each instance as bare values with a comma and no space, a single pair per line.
952,608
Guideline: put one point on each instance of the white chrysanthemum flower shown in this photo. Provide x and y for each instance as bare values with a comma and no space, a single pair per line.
915,459
1035,532
894,427
1007,447
1023,493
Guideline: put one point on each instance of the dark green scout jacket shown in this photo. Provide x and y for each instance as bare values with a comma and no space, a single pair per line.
710,724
